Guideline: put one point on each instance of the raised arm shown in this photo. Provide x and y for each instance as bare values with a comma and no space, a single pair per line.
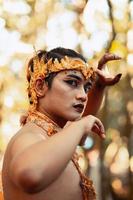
104,78
38,165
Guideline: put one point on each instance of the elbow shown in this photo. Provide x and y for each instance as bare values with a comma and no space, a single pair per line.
28,181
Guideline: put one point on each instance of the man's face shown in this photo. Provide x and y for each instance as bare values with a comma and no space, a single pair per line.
67,97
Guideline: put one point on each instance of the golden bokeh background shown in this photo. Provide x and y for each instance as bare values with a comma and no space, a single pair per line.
91,27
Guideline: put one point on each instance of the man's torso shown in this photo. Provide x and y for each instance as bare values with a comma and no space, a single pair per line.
66,187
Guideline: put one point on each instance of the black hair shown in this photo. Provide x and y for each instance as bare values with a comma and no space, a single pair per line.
61,52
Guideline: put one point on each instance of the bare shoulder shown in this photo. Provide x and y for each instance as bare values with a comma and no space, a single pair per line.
25,137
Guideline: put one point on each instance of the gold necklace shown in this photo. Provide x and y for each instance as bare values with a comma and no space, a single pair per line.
52,128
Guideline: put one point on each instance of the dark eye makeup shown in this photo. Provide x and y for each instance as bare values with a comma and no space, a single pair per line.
87,87
73,83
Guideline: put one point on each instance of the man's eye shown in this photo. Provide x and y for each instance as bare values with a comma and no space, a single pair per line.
72,82
87,88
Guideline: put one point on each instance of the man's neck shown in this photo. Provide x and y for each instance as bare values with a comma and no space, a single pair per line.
59,121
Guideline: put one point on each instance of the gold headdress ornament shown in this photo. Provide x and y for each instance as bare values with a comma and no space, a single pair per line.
42,70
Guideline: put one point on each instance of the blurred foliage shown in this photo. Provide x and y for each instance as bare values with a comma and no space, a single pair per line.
92,28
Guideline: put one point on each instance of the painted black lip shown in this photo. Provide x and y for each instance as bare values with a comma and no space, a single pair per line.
79,107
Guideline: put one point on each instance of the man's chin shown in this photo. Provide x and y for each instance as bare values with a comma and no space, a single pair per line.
75,118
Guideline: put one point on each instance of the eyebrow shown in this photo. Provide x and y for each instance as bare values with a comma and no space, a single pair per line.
89,82
74,76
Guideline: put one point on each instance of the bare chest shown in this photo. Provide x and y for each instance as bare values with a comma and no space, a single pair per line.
66,187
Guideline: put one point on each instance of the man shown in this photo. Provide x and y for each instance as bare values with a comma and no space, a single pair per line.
40,162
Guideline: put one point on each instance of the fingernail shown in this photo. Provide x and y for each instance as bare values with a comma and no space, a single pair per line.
119,75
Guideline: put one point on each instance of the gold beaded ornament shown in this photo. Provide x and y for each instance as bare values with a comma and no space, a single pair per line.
42,70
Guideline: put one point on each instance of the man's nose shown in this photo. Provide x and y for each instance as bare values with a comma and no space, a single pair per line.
81,95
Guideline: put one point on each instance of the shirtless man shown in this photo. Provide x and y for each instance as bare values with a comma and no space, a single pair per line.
40,161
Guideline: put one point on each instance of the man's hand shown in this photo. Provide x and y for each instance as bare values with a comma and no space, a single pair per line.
104,77
91,124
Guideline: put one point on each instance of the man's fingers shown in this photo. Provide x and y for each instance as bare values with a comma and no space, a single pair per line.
115,79
111,81
98,128
108,81
102,73
107,57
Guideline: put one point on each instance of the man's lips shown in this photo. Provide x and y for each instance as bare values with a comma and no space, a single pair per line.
79,107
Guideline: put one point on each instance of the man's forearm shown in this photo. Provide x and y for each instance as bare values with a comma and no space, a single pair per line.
43,162
95,98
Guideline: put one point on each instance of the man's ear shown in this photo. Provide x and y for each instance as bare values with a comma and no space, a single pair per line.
41,87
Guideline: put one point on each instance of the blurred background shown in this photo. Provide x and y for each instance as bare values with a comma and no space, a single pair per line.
91,27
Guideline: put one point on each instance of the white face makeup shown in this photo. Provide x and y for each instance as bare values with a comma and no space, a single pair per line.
67,97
